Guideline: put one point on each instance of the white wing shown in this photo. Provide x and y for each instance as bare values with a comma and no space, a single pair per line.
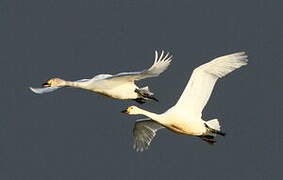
144,131
51,89
203,79
44,89
160,64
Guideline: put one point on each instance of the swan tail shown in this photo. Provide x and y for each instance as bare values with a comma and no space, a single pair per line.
214,124
145,93
213,127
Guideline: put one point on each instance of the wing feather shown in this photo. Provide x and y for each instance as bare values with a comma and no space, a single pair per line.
160,64
203,79
144,131
43,89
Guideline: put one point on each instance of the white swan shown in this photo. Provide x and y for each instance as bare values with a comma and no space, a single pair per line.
185,116
119,86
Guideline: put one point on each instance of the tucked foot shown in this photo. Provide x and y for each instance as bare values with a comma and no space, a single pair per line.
208,138
214,131
140,100
153,98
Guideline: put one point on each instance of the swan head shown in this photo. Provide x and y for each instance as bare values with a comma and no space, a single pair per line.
131,110
53,82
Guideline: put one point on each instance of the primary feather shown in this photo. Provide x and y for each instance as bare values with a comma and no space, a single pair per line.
160,64
144,131
203,79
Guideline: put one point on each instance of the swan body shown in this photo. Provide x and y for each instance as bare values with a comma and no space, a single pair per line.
119,86
185,117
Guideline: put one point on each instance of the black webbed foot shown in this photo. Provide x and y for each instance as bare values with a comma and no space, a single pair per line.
140,100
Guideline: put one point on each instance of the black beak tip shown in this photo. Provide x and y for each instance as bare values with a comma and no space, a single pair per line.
124,111
45,85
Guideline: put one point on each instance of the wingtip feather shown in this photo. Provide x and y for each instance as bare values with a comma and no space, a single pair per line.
34,90
161,56
156,56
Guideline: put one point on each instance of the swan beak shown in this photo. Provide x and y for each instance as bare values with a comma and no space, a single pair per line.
125,111
45,85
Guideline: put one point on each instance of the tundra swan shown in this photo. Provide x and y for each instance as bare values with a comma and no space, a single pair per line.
118,86
185,117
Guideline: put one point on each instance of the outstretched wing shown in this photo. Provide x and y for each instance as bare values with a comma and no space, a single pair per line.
160,64
44,89
144,131
203,79
51,89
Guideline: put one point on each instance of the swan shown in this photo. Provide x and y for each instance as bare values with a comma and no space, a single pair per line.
118,86
185,117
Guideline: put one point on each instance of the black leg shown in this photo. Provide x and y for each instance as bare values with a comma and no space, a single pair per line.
209,139
140,100
153,98
214,131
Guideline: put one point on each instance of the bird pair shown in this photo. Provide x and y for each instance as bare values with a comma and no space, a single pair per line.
185,117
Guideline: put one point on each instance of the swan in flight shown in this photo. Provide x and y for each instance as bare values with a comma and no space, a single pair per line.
118,86
185,117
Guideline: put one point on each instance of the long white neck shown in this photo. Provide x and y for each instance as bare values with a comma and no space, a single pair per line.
151,115
75,84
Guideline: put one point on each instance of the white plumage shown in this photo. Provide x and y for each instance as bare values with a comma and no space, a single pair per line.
119,86
185,116
203,79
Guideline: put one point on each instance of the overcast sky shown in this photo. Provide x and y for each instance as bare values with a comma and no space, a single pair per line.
74,134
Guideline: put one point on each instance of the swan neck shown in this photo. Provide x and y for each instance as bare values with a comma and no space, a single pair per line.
151,115
74,84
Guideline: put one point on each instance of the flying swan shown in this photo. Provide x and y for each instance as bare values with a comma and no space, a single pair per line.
118,86
185,117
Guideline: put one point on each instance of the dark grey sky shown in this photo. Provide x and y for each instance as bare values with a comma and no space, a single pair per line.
74,134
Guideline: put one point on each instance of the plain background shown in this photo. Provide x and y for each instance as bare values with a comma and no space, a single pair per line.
74,134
